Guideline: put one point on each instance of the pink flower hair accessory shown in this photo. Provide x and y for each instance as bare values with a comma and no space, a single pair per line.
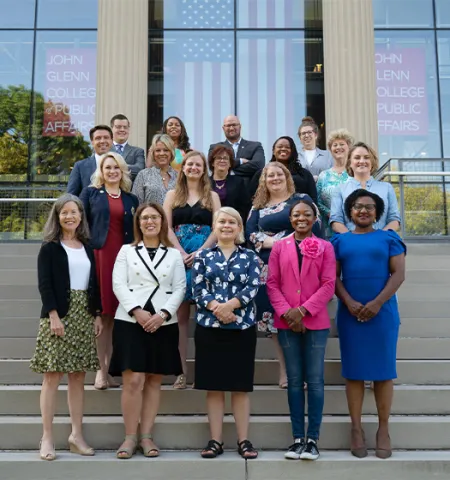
311,247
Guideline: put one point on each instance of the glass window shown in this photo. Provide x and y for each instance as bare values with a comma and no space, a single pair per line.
407,99
204,14
67,14
17,13
197,85
442,13
286,86
64,102
444,79
403,13
279,13
16,53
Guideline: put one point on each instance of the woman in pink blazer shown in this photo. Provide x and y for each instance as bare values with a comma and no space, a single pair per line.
300,283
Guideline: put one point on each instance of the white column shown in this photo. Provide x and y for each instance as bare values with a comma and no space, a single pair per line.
349,58
122,64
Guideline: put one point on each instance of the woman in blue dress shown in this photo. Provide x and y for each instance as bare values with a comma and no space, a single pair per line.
370,270
189,210
267,223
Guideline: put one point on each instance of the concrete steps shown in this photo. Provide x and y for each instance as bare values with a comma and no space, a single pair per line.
191,432
270,465
265,400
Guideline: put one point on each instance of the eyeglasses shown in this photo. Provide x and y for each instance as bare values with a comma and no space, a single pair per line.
153,218
370,207
226,157
307,134
232,125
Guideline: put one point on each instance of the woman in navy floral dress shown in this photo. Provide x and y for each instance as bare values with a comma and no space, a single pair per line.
268,222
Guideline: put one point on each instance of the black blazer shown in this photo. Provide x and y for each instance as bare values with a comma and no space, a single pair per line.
252,151
54,280
96,206
303,180
237,195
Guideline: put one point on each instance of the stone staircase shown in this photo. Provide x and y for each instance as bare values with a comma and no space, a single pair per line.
420,425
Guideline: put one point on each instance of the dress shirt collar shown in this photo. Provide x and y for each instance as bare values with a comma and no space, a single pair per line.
123,144
355,182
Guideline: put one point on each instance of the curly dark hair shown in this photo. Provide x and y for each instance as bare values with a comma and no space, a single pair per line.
361,192
307,200
183,142
292,164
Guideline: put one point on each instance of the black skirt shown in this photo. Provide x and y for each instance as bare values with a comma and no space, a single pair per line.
224,359
139,351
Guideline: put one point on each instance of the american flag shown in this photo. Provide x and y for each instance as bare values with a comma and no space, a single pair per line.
204,65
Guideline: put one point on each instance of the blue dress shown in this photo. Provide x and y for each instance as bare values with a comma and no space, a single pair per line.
368,349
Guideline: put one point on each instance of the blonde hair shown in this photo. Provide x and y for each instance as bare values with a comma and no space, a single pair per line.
262,195
97,179
181,191
168,143
235,214
374,163
340,134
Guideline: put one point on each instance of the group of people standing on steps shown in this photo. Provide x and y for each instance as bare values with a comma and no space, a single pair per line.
128,251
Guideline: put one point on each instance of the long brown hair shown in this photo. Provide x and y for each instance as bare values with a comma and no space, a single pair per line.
181,189
262,195
164,232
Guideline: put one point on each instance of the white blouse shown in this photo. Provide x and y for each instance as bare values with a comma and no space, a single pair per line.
79,267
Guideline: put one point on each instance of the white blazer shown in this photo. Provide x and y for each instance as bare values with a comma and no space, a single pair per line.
136,278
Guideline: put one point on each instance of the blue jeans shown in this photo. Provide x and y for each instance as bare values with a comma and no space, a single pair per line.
304,355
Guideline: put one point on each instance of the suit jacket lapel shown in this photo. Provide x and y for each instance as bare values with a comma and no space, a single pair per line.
126,151
293,257
143,255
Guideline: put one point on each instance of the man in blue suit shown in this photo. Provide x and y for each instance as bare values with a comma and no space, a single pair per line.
80,177
134,156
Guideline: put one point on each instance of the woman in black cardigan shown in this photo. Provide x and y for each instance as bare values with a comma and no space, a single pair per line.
232,190
284,151
70,318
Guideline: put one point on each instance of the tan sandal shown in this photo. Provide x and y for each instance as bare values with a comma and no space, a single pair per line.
126,453
180,382
151,452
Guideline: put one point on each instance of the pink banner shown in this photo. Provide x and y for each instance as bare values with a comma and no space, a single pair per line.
401,91
69,92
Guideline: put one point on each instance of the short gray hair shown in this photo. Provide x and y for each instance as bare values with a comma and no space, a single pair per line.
236,215
52,228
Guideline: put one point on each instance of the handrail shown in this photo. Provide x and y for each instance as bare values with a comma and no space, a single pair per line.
413,174
11,199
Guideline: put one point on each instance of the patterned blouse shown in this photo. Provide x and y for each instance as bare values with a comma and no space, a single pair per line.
149,186
216,278
327,184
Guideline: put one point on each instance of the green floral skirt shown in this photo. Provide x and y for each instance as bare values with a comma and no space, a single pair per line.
76,350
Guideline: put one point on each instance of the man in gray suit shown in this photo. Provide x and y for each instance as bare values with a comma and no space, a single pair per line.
248,156
134,156
101,140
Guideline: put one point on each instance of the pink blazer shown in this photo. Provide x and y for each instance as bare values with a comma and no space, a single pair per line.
312,289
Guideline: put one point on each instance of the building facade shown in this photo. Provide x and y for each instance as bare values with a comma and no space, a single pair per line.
381,68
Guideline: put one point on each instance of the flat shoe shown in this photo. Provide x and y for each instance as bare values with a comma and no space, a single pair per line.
150,452
126,453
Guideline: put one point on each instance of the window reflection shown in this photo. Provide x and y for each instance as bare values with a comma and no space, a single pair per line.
64,102
186,14
67,14
288,83
16,51
403,13
197,84
279,13
17,13
407,100
444,79
442,13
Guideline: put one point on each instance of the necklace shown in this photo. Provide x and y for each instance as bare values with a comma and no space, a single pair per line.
219,187
114,195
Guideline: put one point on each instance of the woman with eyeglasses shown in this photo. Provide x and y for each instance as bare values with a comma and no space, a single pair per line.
370,269
231,189
362,163
310,156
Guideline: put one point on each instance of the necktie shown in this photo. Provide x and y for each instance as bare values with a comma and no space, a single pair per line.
119,148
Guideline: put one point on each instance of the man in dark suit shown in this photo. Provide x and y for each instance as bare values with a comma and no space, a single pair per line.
101,139
248,156
134,156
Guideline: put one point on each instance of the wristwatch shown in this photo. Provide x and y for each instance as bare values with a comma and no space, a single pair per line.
163,315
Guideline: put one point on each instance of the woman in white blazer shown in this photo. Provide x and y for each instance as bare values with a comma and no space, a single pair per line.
149,281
